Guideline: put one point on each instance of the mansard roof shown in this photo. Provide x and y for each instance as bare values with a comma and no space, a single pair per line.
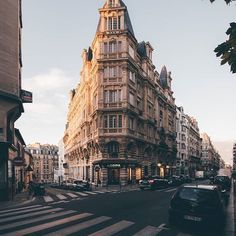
142,49
128,24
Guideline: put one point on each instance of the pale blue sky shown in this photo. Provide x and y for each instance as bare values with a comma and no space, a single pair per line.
183,33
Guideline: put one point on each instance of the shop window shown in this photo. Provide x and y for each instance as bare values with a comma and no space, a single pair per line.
113,149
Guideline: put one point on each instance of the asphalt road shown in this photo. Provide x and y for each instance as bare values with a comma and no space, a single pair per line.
108,213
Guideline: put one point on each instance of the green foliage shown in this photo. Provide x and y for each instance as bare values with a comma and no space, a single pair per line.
227,1
227,50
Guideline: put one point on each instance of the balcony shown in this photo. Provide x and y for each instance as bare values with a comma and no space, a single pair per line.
113,105
113,130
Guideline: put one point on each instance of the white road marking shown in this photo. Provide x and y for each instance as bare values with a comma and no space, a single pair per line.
112,229
48,199
36,228
30,221
149,231
99,191
93,193
171,190
71,195
75,228
24,211
82,194
18,209
61,197
183,234
28,215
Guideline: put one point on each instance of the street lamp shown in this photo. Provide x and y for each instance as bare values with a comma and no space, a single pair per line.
159,164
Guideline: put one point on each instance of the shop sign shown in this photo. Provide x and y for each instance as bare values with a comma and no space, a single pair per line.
113,165
18,161
26,96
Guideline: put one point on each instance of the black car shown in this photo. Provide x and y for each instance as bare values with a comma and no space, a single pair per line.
198,204
39,189
175,181
82,185
153,182
223,181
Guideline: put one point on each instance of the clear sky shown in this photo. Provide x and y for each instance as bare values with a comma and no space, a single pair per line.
183,33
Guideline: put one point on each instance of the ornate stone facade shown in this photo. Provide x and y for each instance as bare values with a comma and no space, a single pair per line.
194,146
45,159
121,118
182,161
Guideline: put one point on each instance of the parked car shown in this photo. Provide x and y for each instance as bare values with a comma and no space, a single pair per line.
153,182
198,204
39,189
223,181
54,185
82,185
144,183
175,181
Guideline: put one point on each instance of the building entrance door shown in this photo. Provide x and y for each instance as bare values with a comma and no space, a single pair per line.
113,176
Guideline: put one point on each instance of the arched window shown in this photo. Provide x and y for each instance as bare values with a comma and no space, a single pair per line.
113,149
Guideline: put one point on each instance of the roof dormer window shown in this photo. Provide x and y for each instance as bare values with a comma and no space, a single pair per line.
114,23
111,3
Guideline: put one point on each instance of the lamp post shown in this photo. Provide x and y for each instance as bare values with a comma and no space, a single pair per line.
159,166
167,170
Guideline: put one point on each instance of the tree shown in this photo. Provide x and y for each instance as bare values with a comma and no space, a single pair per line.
227,49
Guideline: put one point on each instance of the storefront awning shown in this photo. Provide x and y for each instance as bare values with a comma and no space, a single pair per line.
116,163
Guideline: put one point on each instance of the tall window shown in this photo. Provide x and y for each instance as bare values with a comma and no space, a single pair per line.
131,123
131,99
112,47
132,76
112,96
111,3
113,121
114,23
111,72
113,149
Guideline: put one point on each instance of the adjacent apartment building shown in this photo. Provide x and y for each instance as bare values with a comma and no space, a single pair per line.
121,119
234,156
194,146
45,161
12,96
211,160
182,159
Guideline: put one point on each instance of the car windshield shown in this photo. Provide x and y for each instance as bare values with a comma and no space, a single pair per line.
221,178
205,196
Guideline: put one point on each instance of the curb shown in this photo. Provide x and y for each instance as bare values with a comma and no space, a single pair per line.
15,204
230,211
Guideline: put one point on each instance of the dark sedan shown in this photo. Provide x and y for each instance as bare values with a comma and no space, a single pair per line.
198,204
153,183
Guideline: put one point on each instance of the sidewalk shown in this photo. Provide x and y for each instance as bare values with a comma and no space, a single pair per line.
231,213
19,199
118,188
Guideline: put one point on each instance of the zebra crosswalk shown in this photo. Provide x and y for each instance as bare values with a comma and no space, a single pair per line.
65,196
35,220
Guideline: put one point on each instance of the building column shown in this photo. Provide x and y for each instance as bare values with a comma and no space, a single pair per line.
104,177
123,176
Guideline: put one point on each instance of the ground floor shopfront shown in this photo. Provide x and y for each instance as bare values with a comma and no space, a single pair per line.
114,171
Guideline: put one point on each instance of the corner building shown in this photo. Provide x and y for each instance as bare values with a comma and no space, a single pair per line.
11,105
121,119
